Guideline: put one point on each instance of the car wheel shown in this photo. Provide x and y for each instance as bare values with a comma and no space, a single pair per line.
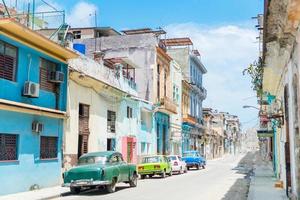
75,190
203,166
150,175
171,173
188,168
133,181
111,188
143,176
163,175
185,170
198,167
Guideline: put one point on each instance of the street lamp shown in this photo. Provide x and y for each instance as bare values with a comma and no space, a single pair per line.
247,106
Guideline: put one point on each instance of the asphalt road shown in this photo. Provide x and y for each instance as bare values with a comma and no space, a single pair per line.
225,179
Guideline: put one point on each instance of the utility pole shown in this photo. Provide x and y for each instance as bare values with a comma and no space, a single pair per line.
95,32
33,10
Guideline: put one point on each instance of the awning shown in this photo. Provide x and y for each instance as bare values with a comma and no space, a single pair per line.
265,133
30,109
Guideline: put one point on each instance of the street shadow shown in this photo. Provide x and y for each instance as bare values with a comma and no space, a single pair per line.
240,189
94,192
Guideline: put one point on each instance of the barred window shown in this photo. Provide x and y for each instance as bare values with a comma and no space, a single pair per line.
45,69
111,121
129,112
48,148
8,61
8,147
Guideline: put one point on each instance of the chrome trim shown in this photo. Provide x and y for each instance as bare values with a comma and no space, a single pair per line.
84,182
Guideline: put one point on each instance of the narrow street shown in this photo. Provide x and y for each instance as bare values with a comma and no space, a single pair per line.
224,178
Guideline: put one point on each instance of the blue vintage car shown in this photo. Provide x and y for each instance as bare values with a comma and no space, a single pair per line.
193,159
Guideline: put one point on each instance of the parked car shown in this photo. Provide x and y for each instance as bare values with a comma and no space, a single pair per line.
100,169
178,165
155,165
193,159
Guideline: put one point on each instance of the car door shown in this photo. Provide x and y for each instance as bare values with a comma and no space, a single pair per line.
124,169
168,163
113,162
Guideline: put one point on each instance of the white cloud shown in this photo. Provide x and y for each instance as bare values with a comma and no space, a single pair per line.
226,50
82,14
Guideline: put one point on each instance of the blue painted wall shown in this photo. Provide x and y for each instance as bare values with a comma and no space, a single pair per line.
11,90
29,170
147,134
162,121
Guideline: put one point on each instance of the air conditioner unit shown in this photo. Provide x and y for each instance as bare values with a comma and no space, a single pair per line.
37,127
31,89
56,77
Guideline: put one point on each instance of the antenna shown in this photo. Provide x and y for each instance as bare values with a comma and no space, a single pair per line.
6,8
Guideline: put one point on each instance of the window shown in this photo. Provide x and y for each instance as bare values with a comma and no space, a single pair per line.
113,159
129,112
48,148
45,69
77,34
165,83
175,94
158,82
111,121
8,61
8,147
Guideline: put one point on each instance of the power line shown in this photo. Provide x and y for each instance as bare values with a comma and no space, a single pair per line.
48,4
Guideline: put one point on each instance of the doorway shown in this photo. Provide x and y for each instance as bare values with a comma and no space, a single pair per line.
287,143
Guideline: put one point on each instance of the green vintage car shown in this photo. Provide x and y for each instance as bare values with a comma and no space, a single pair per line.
100,169
155,165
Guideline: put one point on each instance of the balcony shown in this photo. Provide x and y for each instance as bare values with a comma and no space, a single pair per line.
189,119
168,105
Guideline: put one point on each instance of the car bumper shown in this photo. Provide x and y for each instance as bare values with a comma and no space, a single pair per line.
85,183
192,164
176,168
150,172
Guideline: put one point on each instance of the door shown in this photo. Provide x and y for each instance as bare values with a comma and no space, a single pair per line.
111,144
123,167
129,151
82,145
83,120
287,143
164,140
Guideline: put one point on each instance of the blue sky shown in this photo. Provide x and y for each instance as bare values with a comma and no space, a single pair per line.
222,30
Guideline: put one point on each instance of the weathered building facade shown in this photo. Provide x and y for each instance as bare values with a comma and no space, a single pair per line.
33,85
280,90
180,49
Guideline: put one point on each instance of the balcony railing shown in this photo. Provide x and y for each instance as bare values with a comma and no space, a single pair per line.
168,104
189,119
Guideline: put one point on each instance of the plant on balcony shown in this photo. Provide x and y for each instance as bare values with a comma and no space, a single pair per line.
255,71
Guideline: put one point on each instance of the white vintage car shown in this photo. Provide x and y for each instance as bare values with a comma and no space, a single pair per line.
178,165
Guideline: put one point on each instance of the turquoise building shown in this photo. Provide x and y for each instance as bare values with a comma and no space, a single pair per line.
33,95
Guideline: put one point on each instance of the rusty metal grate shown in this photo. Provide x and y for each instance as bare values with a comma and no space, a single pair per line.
48,148
8,147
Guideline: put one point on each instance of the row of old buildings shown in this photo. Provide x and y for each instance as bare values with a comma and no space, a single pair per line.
277,85
68,91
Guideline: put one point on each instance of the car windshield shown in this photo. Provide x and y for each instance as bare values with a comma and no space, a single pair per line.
151,159
189,154
172,157
91,160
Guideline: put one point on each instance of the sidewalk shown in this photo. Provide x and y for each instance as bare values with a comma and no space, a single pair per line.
45,193
262,184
